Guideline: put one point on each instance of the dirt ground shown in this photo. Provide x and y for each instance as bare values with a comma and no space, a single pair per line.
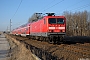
74,51
19,52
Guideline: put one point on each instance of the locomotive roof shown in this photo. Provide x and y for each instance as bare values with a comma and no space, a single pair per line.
54,16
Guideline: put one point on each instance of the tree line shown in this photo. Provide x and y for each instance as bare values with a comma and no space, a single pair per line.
78,23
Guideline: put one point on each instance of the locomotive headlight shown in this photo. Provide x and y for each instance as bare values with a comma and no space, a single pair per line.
53,25
50,30
63,30
56,25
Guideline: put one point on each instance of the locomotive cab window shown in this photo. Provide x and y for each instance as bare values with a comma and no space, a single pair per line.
52,20
55,20
60,21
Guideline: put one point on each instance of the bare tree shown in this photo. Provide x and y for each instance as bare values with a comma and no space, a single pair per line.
77,24
35,17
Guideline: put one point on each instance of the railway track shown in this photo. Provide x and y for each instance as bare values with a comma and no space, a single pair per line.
48,51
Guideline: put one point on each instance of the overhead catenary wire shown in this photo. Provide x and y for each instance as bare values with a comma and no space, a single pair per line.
53,5
78,8
87,5
16,9
81,7
48,4
75,4
60,2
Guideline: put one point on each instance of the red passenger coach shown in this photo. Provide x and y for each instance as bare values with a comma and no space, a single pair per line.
25,29
51,27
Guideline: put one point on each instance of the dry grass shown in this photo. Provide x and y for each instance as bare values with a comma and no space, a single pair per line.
18,51
21,53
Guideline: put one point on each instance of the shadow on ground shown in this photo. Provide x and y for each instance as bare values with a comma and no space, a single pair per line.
77,39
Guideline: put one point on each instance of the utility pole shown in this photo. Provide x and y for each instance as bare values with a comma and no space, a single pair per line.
10,25
7,29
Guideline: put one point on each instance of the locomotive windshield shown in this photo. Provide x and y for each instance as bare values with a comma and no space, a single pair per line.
52,20
60,21
56,21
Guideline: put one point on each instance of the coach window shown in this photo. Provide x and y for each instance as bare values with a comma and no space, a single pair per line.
44,21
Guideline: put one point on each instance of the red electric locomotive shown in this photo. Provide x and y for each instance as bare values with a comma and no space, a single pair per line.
50,28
